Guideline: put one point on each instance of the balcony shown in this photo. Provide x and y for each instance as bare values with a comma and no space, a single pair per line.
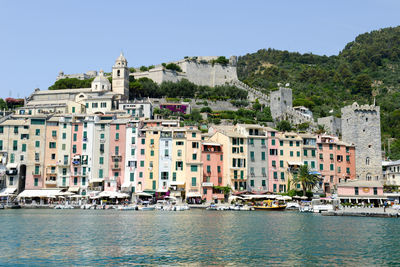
116,158
34,173
207,184
50,181
11,172
116,167
102,140
63,163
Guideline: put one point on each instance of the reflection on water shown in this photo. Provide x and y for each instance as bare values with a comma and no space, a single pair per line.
88,237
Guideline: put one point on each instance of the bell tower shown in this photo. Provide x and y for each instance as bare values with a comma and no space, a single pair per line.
120,77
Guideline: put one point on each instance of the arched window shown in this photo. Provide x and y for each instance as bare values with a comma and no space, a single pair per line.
368,177
118,73
367,161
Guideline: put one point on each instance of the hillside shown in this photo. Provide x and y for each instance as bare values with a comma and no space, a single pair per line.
367,67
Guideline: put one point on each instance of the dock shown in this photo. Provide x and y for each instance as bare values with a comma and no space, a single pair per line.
364,212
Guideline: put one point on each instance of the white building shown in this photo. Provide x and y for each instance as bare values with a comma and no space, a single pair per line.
391,172
138,108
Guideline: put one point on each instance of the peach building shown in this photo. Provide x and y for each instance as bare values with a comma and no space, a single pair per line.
117,155
357,191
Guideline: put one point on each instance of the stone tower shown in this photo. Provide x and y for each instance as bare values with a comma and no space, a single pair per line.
361,126
280,102
120,77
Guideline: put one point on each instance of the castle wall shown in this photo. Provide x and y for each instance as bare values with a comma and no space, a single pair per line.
361,126
333,125
280,101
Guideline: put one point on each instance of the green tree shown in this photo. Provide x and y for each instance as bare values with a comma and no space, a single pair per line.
284,126
306,179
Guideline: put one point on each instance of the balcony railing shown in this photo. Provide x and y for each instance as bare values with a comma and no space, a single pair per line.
34,173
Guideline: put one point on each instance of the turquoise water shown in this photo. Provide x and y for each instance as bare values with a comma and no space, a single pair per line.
97,237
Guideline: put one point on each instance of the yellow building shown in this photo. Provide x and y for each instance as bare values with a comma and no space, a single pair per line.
194,165
152,146
290,158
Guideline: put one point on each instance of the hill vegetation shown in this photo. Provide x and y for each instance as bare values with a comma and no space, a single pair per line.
367,68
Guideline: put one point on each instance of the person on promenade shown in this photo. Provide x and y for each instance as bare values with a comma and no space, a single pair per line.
384,206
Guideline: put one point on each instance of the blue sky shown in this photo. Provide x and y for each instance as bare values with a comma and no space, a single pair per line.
40,38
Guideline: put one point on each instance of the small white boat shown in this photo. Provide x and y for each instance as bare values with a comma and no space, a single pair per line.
292,206
147,208
63,207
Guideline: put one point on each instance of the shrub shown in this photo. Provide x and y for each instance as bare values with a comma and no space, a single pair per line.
174,67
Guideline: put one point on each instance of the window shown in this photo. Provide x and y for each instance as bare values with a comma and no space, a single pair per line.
100,173
23,148
194,156
262,155
298,153
193,135
132,152
330,146
151,175
291,143
313,153
151,141
37,144
143,141
37,132
281,143
84,146
297,143
347,158
367,161
282,176
305,152
116,136
1,144
64,171
273,142
219,169
273,163
274,187
280,163
321,156
195,145
305,162
76,127
347,150
152,153
375,191
174,176
348,170
252,155
12,158
101,160
64,136
208,168
208,157
221,158
252,183
263,182
117,127
193,168
291,153
63,146
331,167
133,141
166,153
312,164
15,145
275,175
36,182
356,191
73,109
37,169
281,152
52,144
141,174
179,152
320,146
154,182
141,163
116,150
263,142
321,167
75,137
74,149
331,156
75,180
1,129
193,181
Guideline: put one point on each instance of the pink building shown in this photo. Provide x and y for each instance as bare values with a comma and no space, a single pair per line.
336,162
212,158
273,158
141,144
76,178
361,191
117,156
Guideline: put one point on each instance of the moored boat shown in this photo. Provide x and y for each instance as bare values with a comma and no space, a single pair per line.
271,205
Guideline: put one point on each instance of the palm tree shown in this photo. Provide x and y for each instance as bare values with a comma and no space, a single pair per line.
306,179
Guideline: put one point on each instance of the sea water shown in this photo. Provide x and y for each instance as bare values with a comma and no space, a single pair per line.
198,237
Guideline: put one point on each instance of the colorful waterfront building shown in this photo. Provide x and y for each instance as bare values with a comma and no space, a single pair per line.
357,191
212,158
273,158
194,165
336,162
178,181
131,156
234,146
257,156
117,155
51,155
290,145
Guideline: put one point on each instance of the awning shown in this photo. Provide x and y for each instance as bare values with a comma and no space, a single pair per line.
362,197
294,163
127,184
193,194
112,194
260,196
143,194
49,193
9,191
12,165
73,189
177,183
96,180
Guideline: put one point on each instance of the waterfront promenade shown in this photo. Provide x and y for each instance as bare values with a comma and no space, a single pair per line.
364,212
